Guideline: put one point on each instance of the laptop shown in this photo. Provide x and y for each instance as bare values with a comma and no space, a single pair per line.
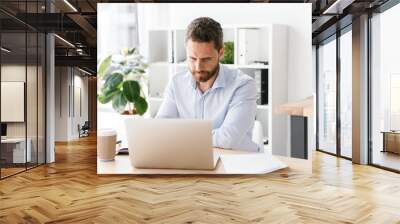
170,143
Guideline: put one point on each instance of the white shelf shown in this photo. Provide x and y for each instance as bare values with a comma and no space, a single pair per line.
252,66
156,98
182,64
229,34
263,107
160,63
251,45
179,42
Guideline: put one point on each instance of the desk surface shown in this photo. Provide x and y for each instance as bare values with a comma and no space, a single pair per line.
13,140
391,132
299,108
122,165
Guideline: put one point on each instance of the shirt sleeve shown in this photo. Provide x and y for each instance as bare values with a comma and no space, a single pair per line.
239,118
168,108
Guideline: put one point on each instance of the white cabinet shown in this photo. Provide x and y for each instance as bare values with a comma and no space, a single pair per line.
179,46
161,46
248,43
17,148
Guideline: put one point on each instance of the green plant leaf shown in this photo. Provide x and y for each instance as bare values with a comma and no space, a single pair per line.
141,105
131,90
107,95
119,102
127,71
131,51
143,66
102,99
228,55
138,70
104,66
113,80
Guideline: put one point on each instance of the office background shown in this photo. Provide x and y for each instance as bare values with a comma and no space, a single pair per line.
150,24
335,54
339,190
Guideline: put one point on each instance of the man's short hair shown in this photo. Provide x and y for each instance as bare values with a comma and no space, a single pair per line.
205,29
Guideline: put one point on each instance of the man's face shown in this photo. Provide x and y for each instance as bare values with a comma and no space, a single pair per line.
203,59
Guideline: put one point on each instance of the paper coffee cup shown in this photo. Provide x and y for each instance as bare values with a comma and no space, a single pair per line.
106,143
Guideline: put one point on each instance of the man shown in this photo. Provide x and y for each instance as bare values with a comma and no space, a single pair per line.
210,90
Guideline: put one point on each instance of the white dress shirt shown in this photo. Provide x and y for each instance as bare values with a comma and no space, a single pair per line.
230,103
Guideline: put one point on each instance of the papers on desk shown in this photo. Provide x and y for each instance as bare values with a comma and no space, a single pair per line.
254,163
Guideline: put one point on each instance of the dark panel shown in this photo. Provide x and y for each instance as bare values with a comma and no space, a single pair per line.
330,31
264,86
298,137
49,22
77,61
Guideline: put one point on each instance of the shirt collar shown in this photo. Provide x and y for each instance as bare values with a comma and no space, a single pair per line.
219,82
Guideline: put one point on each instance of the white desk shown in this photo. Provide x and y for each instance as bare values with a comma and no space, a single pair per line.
18,149
122,165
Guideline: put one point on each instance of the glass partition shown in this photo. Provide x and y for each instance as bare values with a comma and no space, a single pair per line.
22,77
385,89
346,94
13,95
327,96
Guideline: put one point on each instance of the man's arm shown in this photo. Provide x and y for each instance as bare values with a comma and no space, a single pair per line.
168,107
239,118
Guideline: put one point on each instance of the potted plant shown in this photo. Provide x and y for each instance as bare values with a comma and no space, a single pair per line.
123,79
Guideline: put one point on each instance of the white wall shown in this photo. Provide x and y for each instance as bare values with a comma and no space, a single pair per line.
61,103
80,82
66,119
159,18
115,18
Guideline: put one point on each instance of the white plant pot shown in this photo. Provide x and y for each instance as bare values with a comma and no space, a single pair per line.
123,129
109,118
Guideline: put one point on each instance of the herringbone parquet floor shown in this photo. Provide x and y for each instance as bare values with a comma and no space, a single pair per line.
69,191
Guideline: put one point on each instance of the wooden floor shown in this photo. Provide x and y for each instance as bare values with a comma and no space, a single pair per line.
386,159
69,191
10,171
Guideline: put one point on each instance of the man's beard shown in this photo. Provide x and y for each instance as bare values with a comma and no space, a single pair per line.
205,75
